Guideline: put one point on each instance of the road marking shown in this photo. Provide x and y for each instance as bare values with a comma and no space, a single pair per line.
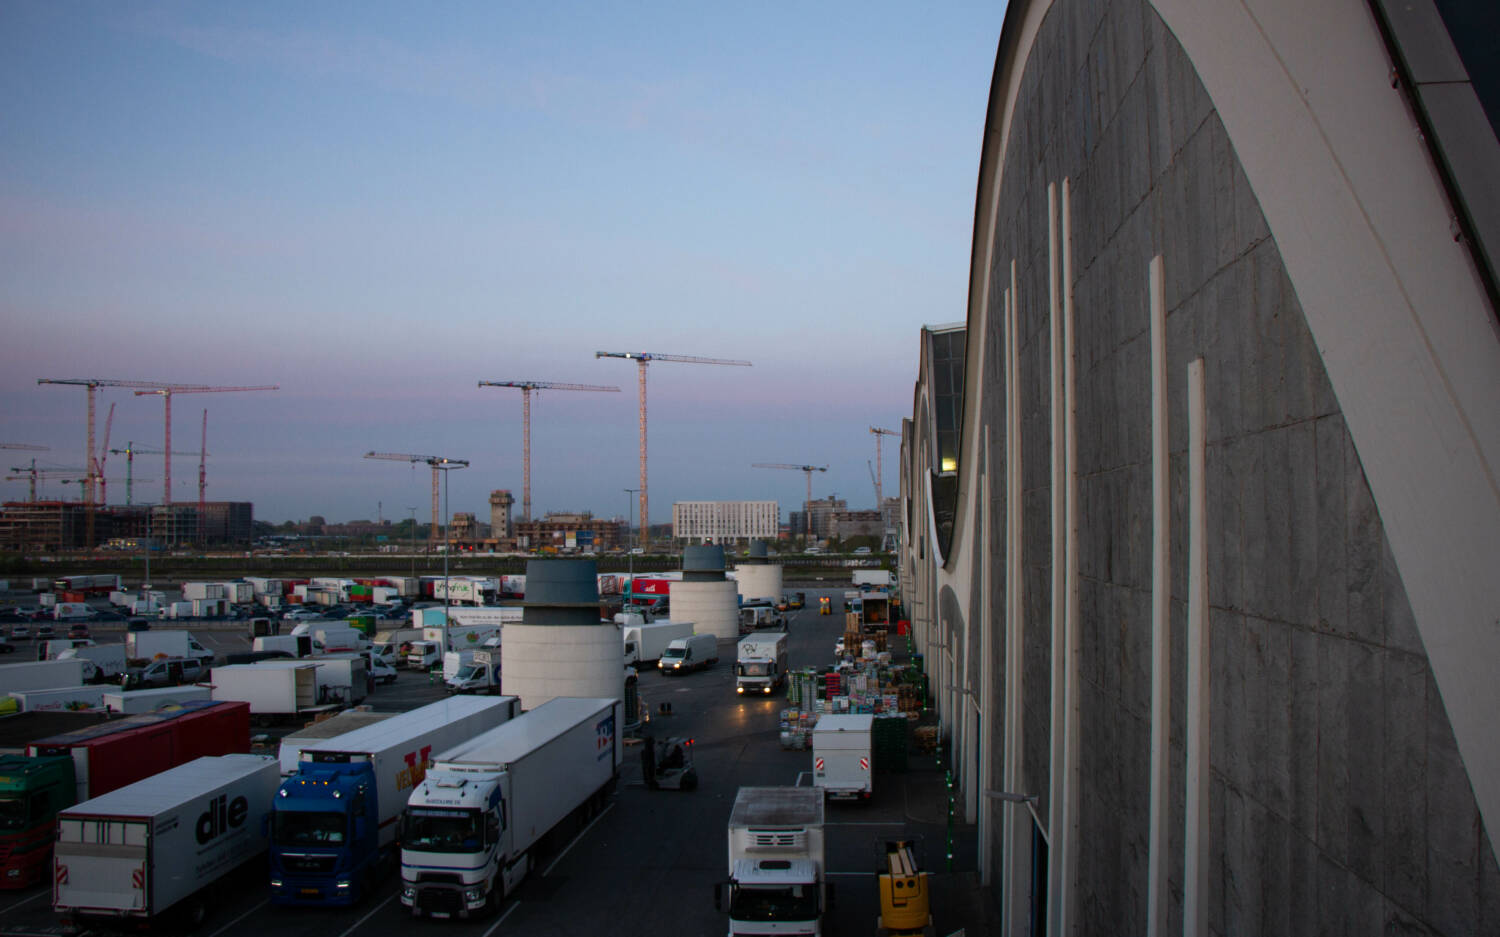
34,897
240,918
576,839
363,919
501,920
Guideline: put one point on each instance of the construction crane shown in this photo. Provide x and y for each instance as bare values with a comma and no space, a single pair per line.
130,452
202,482
526,388
877,432
90,459
33,473
109,422
643,359
25,446
438,464
807,506
166,393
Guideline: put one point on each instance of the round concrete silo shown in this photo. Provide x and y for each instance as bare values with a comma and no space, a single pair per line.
756,576
560,647
705,596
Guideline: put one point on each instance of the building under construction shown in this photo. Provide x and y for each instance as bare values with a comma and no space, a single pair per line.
47,526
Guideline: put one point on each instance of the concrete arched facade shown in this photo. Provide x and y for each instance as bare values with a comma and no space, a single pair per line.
1351,386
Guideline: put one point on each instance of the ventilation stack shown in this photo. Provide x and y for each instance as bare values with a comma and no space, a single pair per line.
560,647
757,576
705,596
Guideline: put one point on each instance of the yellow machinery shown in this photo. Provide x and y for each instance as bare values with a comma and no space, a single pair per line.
904,894
824,607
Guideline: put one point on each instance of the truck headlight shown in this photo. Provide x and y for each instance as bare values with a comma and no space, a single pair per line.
739,689
474,893
766,688
342,884
408,893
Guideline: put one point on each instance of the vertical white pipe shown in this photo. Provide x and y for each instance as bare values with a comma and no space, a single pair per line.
1067,837
1009,861
1161,621
1196,859
1059,574
987,671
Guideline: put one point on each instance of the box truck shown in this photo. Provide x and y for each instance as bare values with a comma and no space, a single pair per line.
699,651
144,645
760,663
99,757
391,645
481,675
842,750
469,827
273,693
339,678
147,853
778,883
644,641
335,819
102,663
60,698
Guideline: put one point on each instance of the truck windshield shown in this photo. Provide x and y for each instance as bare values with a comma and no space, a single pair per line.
755,669
14,815
306,828
429,829
782,903
469,673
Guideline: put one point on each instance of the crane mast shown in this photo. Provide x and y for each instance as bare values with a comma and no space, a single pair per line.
642,360
807,505
877,432
438,464
165,393
526,388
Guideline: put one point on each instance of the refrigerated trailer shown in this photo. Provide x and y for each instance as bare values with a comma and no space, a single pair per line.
147,854
469,828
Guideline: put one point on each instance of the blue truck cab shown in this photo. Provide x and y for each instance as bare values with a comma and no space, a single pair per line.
325,835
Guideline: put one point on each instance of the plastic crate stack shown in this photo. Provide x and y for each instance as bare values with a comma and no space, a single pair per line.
796,727
889,741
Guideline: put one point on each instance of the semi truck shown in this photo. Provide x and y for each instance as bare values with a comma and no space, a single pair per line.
778,883
645,641
289,752
148,853
842,752
334,820
273,692
100,757
144,645
469,828
760,663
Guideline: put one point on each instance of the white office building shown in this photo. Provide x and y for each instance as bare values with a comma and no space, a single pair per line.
718,521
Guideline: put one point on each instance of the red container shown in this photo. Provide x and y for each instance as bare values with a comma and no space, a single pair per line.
113,754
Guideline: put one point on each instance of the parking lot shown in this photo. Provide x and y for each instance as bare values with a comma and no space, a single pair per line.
649,863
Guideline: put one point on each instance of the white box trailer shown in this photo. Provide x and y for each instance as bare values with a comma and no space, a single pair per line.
644,642
144,645
340,678
341,639
842,751
506,788
238,592
70,698
131,702
202,590
102,661
135,855
40,675
270,691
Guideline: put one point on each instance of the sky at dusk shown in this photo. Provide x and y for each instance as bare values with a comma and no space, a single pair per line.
376,206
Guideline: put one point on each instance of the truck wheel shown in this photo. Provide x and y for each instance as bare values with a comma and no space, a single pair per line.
194,913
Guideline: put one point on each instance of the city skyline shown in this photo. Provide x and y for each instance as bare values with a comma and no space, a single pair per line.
376,211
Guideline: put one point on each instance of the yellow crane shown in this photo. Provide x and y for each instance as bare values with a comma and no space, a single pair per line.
526,388
642,360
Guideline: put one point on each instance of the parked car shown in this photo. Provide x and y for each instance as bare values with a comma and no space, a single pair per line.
302,614
44,632
78,631
20,633
138,624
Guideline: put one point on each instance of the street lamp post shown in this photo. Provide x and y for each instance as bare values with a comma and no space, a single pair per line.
446,466
413,541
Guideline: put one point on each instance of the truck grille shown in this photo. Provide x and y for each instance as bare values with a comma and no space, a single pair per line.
440,900
308,865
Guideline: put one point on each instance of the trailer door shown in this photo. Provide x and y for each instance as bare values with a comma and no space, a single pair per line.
101,864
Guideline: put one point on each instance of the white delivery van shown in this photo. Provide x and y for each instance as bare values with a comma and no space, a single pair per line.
842,755
695,652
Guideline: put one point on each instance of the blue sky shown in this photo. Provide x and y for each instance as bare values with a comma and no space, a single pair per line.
376,206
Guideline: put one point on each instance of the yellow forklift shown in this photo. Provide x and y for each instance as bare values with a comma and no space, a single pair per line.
905,895
824,606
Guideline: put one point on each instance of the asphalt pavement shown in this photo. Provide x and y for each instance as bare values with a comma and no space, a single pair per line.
650,862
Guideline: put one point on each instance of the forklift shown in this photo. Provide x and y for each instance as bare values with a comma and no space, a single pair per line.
825,607
905,895
667,764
